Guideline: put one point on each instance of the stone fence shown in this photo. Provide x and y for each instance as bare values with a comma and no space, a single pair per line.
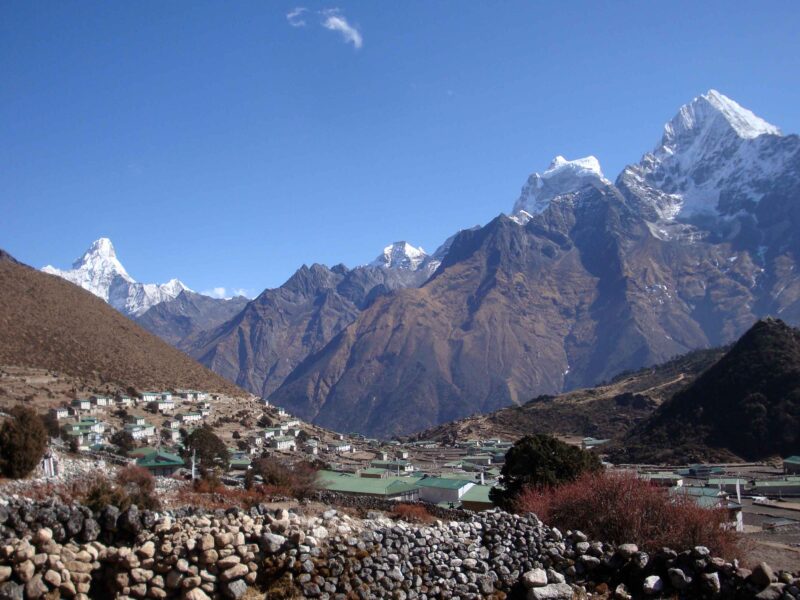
49,550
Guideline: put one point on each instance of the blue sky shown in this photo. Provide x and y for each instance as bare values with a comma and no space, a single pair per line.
218,143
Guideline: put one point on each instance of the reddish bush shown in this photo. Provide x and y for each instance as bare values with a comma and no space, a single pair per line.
413,513
620,508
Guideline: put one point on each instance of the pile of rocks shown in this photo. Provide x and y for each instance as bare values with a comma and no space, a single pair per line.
196,555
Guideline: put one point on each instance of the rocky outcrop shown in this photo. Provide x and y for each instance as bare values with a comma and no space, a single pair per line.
330,555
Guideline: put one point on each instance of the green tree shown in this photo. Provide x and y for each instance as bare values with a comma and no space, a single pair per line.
540,461
23,440
123,440
208,448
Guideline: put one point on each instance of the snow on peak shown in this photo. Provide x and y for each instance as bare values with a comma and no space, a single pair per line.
561,177
712,145
99,271
710,112
400,255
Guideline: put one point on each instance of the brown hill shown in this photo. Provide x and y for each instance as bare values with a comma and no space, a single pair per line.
608,410
746,405
49,323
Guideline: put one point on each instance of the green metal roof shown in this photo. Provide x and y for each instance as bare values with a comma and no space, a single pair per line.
145,451
726,481
443,483
374,471
477,493
777,483
350,483
669,476
160,459
792,459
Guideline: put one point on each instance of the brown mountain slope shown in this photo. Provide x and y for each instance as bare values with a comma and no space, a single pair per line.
608,410
50,323
275,332
580,293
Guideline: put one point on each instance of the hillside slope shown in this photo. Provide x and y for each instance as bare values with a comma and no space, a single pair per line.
605,411
747,405
49,323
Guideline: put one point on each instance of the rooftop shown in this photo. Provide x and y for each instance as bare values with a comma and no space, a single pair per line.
443,483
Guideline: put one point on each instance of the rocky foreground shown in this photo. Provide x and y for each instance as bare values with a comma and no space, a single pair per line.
51,550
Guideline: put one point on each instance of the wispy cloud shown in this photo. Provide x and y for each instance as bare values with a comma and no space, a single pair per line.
217,292
295,17
331,19
224,293
335,21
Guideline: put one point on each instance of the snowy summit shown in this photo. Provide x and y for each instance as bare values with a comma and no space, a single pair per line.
561,177
100,272
713,159
400,255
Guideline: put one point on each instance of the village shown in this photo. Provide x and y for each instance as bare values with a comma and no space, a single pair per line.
757,497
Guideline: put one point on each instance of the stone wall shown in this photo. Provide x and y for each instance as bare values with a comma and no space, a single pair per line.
195,555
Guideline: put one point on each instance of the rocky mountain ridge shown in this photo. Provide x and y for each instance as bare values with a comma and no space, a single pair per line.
598,278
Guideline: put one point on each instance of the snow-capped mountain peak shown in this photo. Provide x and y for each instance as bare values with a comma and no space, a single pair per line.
561,177
100,258
400,255
99,271
704,116
715,158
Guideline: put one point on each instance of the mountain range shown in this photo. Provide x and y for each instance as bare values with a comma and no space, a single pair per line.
585,277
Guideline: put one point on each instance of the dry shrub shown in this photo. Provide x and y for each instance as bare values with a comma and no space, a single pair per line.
413,513
297,481
621,508
140,485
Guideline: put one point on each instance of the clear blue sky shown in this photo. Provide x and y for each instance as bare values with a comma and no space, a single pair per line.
217,143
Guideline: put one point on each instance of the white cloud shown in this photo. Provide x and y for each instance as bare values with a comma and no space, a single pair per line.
295,17
334,21
240,292
217,292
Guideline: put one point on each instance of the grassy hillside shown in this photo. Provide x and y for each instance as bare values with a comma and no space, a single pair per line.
49,323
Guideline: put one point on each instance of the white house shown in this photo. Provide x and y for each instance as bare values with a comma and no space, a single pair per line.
164,406
283,443
61,412
172,424
140,432
125,401
136,420
339,447
440,489
101,401
173,435
148,397
190,417
82,404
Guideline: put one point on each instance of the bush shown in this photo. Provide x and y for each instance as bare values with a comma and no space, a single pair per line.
133,485
540,460
123,440
298,481
140,487
23,440
621,508
105,493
